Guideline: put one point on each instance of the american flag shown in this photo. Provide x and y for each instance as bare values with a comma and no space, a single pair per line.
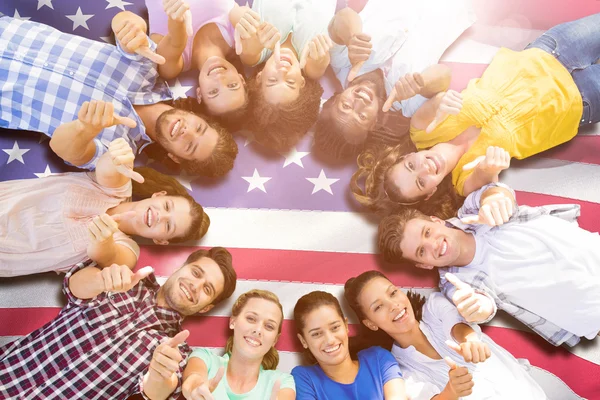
290,221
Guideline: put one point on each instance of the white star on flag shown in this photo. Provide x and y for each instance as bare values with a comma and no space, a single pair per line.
294,157
322,183
80,19
179,91
15,153
256,181
47,172
42,3
18,16
116,3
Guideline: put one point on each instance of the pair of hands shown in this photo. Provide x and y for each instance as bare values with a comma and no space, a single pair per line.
204,391
253,34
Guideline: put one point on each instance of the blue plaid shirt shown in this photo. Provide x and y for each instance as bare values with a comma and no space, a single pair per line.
46,75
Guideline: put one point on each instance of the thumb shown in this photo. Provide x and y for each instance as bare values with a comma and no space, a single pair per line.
277,53
450,363
120,217
201,393
141,274
130,173
128,122
453,279
390,100
304,56
214,382
275,390
454,346
178,339
471,219
150,55
238,41
187,18
473,163
436,121
354,71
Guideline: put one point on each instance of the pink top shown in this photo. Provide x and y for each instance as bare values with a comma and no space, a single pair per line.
203,12
43,222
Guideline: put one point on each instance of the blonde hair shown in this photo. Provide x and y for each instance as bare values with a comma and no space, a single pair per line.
271,359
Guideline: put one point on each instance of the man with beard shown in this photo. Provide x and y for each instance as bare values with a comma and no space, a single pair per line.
50,81
119,334
391,48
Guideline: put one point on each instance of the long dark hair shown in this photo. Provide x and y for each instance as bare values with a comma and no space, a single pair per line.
154,182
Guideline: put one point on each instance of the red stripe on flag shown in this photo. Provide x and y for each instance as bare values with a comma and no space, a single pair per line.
581,375
583,149
292,265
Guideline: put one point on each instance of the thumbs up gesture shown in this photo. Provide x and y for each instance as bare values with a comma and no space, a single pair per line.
359,51
317,50
495,210
204,391
451,103
407,86
473,350
119,278
474,307
166,357
460,381
122,158
275,390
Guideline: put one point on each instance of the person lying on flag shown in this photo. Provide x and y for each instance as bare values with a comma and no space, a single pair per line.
441,355
386,59
247,370
535,263
45,81
288,42
52,223
333,374
199,34
119,334
524,103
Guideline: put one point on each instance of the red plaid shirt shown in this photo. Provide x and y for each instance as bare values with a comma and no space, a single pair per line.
94,349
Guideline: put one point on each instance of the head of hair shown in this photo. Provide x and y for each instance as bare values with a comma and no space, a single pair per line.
354,287
155,182
271,359
390,233
223,258
384,198
281,126
307,304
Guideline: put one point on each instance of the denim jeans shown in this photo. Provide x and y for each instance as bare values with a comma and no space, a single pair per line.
576,45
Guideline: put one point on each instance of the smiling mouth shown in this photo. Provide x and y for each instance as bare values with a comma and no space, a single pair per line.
252,342
284,60
149,218
186,292
332,349
444,248
217,69
364,94
434,164
400,315
175,129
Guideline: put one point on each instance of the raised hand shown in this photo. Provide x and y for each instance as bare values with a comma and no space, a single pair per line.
120,278
132,37
460,381
97,115
166,357
359,50
496,159
204,391
179,10
122,158
269,36
275,390
317,49
495,210
102,227
408,86
474,351
474,307
451,103
246,32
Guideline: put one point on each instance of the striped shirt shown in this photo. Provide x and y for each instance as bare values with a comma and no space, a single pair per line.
46,75
94,349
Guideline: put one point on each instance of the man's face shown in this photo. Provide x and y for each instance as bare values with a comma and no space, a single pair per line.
430,243
193,287
185,135
358,106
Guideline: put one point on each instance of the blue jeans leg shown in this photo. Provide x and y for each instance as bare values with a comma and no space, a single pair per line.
588,82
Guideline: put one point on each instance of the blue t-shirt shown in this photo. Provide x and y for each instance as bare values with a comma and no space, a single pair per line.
376,367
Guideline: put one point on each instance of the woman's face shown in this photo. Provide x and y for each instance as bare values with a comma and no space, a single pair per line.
325,334
220,87
160,217
256,328
418,174
386,307
281,84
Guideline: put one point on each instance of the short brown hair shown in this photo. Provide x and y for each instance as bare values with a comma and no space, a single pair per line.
223,258
391,232
280,127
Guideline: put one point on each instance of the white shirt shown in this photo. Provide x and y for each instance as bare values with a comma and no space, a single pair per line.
407,36
500,377
548,266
